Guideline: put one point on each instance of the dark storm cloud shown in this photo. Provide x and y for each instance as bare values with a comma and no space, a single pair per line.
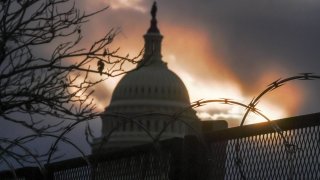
272,34
258,37
248,33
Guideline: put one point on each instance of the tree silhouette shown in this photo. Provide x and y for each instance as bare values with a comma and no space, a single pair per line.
57,84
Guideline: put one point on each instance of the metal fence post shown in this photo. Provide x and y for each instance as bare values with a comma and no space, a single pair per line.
195,163
176,170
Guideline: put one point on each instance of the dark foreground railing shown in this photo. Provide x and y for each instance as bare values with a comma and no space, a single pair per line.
258,152
152,161
249,152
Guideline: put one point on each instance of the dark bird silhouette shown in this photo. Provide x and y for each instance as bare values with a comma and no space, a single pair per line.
105,52
100,66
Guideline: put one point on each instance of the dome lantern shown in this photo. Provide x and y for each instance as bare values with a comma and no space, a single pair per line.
152,39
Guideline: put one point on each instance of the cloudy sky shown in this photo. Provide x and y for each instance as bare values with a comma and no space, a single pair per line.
221,49
225,49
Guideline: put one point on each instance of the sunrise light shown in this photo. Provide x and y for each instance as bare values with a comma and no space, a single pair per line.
191,53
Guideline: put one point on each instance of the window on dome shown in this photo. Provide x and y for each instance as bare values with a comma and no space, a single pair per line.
131,126
153,46
124,126
180,127
156,125
116,125
164,125
148,124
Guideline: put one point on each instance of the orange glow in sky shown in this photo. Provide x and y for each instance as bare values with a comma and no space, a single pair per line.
188,51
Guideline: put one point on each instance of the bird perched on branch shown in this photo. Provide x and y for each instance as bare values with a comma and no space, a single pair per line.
100,66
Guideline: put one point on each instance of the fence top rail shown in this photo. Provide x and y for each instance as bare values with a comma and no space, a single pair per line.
297,122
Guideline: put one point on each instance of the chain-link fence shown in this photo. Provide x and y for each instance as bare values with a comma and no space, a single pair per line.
247,152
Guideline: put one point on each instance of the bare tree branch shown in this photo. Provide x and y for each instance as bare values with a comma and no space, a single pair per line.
57,84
